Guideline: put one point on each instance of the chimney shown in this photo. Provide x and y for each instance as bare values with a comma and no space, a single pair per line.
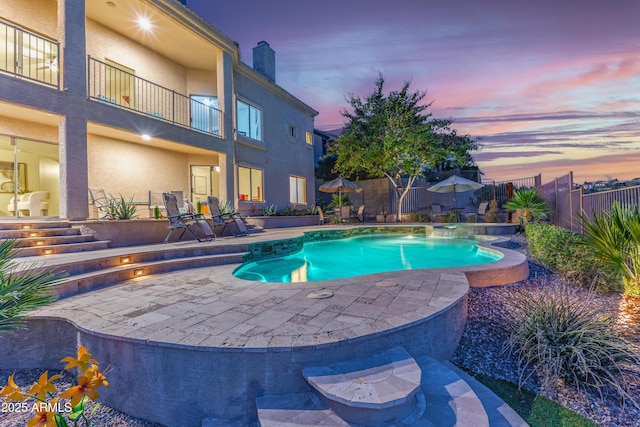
264,60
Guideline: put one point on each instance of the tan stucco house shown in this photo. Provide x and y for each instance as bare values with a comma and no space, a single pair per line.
139,96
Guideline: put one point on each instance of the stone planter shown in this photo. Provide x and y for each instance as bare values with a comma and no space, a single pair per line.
275,221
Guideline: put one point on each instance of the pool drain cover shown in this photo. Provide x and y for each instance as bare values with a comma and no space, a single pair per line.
386,283
320,294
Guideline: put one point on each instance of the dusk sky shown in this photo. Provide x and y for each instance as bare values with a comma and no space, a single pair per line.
551,86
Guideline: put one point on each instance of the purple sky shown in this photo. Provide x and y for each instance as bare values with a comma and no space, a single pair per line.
551,86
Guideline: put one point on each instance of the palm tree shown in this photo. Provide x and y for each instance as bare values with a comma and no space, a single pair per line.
21,291
528,204
615,236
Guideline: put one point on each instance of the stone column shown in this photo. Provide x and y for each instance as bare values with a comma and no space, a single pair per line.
72,127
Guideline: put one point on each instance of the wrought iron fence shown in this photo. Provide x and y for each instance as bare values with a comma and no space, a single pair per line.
29,56
122,89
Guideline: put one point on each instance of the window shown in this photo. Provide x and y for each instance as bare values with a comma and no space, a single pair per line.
297,190
292,131
308,138
249,121
205,115
250,184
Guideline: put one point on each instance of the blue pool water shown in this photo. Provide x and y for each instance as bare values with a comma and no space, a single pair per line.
357,256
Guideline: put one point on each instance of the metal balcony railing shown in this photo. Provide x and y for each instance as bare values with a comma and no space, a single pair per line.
122,89
26,55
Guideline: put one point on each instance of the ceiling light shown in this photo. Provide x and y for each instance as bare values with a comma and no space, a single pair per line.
146,137
144,23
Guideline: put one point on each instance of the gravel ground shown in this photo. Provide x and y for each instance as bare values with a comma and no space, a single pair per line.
481,348
480,351
103,417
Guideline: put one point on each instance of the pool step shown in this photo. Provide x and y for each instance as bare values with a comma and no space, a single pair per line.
446,397
376,390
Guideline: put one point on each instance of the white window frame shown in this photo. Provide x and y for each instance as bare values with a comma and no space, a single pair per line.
254,132
252,197
296,180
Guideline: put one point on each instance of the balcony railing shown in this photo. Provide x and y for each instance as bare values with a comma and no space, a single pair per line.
26,55
120,88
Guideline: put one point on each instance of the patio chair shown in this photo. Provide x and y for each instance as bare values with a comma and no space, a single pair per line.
185,221
220,219
481,212
320,216
359,214
345,213
436,212
99,200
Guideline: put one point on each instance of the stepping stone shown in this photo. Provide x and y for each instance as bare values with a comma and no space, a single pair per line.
376,390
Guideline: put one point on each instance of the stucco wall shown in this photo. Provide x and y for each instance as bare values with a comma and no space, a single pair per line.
37,15
133,170
283,156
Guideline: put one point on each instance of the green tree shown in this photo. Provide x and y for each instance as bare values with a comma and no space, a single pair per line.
392,136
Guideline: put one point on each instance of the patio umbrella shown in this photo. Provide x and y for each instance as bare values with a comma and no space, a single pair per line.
455,184
340,185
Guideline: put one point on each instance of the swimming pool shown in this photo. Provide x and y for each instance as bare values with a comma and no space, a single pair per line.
361,255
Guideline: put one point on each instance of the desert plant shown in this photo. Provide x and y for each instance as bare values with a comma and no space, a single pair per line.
119,208
21,291
227,208
338,200
418,217
615,237
269,210
156,213
564,252
528,205
567,339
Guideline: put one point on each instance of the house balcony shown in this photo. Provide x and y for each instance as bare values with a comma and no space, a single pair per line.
119,88
28,56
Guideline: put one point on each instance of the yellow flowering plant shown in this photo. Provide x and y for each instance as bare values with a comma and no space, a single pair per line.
48,408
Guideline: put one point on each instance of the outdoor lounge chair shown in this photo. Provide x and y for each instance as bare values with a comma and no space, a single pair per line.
185,221
239,228
99,201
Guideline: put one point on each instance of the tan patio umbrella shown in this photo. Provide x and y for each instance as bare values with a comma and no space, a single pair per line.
340,185
455,184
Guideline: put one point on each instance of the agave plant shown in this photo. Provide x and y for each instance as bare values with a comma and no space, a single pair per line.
615,236
227,208
528,205
21,291
119,208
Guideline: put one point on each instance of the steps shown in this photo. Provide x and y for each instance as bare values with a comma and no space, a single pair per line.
389,389
34,238
89,264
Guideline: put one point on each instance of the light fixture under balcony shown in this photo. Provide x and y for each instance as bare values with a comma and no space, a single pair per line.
145,137
144,23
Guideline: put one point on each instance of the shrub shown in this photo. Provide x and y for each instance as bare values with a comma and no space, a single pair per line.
615,237
566,339
21,291
528,206
564,252
119,208
418,217
492,213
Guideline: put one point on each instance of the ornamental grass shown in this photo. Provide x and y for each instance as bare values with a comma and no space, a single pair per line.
566,340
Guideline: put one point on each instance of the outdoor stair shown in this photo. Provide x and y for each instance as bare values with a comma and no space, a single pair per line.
379,391
35,238
96,269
